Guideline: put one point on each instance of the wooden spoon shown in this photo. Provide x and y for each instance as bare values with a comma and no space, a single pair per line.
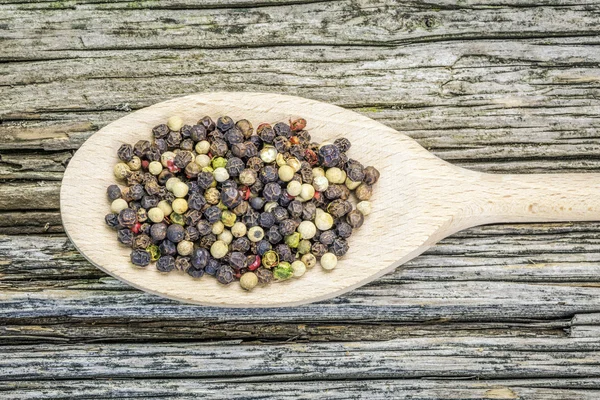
418,200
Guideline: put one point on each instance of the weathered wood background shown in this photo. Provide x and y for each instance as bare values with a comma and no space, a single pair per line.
496,312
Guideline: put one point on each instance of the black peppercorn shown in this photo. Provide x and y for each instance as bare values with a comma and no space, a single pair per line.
182,263
149,202
251,150
273,235
196,201
212,214
251,218
191,233
125,152
195,273
333,192
173,139
207,123
263,246
187,144
238,150
153,153
342,144
136,192
266,220
141,241
264,275
230,196
205,179
284,199
282,144
182,159
280,213
161,145
254,163
266,133
168,248
339,247
257,188
204,227
212,136
192,217
237,260
160,131
241,244
257,203
256,141
355,172
307,175
224,123
113,192
225,274
125,236
219,147
285,253
112,220
164,176
186,131
287,227
234,135
207,241
175,233
140,257
329,155
268,174
295,209
145,228
197,133
165,264
303,137
272,191
158,231
327,237
309,211
282,129
318,249
199,258
371,176
338,208
355,219
234,166
141,147
127,218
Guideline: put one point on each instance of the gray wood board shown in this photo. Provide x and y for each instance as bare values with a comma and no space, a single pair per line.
510,311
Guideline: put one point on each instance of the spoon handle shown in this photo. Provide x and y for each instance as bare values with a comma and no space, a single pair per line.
539,197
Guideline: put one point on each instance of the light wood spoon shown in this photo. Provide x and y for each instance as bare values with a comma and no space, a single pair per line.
418,200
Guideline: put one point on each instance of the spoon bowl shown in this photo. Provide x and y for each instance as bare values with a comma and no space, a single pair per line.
418,200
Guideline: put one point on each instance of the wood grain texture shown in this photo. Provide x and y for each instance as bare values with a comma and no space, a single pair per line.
493,96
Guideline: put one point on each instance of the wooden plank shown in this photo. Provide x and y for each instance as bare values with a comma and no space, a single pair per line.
40,195
555,389
33,166
484,358
24,222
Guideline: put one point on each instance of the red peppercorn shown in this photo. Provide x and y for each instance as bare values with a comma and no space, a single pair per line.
310,157
245,192
145,164
298,124
136,228
171,166
254,266
317,195
295,140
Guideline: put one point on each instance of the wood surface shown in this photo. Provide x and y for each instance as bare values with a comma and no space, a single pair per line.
506,87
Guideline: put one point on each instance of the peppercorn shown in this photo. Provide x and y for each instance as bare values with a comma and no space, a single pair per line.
318,249
142,215
298,268
285,253
212,266
371,175
333,192
355,219
165,207
338,208
175,123
234,135
293,240
287,227
207,123
218,249
339,247
113,192
328,261
240,244
140,257
283,271
309,211
182,263
237,260
254,163
225,274
207,241
279,213
255,233
307,192
212,214
141,241
327,237
112,220
329,155
192,170
270,259
125,152
364,192
127,218
364,207
165,264
191,233
175,233
161,145
309,260
167,247
295,209
272,191
160,131
264,275
195,273
251,218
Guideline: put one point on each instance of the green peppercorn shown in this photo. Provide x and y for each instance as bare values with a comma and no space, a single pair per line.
283,271
270,259
154,252
304,247
228,218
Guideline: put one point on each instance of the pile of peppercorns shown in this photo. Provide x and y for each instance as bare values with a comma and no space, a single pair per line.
224,200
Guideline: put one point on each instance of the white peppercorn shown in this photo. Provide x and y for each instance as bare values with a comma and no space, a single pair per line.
185,248
239,229
328,261
350,184
180,189
307,229
255,233
175,123
268,154
248,281
121,170
364,207
221,174
299,268
219,249
155,168
307,192
171,182
335,175
286,173
323,220
309,260
135,164
218,228
156,215
202,147
294,188
118,205
179,206
202,160
318,171
225,236
320,183
165,207
294,163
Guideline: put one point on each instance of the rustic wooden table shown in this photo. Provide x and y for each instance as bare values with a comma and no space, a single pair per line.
496,312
